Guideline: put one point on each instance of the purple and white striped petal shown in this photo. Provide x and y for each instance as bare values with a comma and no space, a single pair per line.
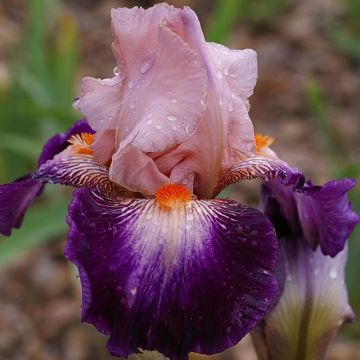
16,197
196,277
258,166
79,170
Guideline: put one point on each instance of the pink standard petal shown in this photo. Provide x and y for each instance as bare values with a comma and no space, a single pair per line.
165,108
136,171
104,146
238,68
100,101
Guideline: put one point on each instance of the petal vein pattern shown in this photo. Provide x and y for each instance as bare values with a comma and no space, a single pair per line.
193,278
79,170
259,167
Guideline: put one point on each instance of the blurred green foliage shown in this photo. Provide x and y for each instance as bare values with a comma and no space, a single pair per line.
257,14
345,31
36,104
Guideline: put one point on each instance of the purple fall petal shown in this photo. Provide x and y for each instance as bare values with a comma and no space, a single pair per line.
322,214
326,215
195,278
314,302
59,142
16,197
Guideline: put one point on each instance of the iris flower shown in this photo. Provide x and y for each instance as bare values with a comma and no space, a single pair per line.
163,264
312,225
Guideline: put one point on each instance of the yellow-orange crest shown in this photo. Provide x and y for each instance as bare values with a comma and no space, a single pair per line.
173,195
81,143
262,141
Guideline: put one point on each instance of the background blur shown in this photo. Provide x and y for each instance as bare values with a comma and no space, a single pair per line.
307,98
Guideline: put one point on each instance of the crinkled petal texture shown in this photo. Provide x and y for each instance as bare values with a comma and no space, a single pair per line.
326,215
16,197
175,95
322,214
193,278
314,302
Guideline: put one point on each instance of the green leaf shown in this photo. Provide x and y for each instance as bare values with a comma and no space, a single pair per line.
41,224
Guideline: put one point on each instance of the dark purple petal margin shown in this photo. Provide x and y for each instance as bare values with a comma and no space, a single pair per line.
16,197
192,279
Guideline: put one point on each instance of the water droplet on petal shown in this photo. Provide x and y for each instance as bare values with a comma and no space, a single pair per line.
145,66
333,273
171,118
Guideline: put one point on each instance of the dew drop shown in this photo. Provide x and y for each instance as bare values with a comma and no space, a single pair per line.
145,66
333,273
203,102
171,118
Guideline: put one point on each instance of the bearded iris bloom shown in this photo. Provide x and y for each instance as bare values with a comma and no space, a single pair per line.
163,264
312,225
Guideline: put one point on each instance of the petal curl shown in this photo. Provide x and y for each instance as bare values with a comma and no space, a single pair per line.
99,101
78,170
262,167
326,215
16,197
322,214
194,278
237,67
